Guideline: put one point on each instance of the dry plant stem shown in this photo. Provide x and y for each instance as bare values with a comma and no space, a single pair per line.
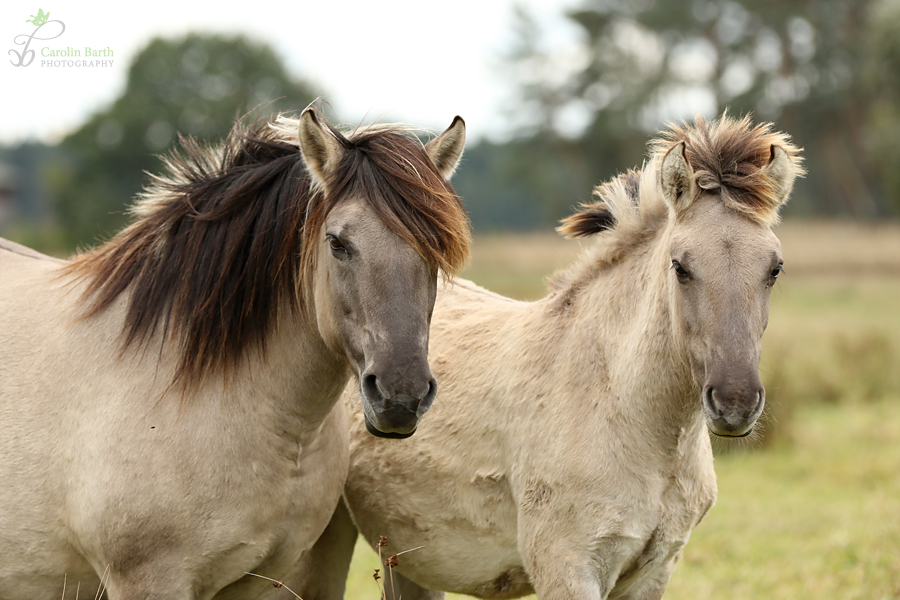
376,577
276,583
382,542
392,562
410,550
391,572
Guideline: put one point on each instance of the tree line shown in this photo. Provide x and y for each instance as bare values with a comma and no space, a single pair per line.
826,71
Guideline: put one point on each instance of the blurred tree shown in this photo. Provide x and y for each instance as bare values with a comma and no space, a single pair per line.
198,85
881,76
826,70
537,176
521,184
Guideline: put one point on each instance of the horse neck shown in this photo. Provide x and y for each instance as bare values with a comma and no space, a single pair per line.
623,313
298,372
290,386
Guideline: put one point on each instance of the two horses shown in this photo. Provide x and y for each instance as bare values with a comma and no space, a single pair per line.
569,454
169,409
166,419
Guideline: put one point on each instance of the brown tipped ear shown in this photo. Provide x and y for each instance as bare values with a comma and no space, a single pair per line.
446,149
781,172
677,179
591,219
321,150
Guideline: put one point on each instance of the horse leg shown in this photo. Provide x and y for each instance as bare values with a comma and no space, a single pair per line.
562,578
321,573
398,587
576,566
656,586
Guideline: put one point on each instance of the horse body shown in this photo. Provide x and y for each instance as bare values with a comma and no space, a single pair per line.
130,478
118,471
568,451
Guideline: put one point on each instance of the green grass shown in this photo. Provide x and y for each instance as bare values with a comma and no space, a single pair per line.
817,519
811,508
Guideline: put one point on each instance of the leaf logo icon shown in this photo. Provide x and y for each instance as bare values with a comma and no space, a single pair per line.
38,19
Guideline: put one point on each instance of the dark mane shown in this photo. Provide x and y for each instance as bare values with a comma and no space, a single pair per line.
227,238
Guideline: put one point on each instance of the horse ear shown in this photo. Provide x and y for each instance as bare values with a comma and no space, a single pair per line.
781,172
446,149
321,150
677,178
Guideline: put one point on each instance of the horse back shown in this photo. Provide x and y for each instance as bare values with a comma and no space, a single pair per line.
8,247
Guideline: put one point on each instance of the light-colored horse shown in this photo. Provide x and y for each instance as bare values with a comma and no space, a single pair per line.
568,453
166,400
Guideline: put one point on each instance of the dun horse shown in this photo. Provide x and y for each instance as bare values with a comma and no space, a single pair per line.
568,451
166,400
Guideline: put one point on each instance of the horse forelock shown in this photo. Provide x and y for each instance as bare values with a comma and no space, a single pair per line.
226,238
386,165
729,156
392,171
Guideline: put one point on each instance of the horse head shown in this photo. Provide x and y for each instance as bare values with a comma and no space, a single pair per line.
377,259
723,258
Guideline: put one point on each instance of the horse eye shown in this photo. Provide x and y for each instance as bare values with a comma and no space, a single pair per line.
335,244
682,274
776,272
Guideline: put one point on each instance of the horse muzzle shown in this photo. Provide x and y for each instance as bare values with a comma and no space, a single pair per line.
732,413
394,414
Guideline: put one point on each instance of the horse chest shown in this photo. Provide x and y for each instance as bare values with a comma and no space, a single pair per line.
683,504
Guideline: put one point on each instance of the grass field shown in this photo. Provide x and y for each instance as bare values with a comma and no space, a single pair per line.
812,508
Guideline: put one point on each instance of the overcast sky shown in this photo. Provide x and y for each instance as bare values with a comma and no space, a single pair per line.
415,61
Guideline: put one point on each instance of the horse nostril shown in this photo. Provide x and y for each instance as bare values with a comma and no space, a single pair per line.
709,399
760,399
426,400
712,401
370,388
